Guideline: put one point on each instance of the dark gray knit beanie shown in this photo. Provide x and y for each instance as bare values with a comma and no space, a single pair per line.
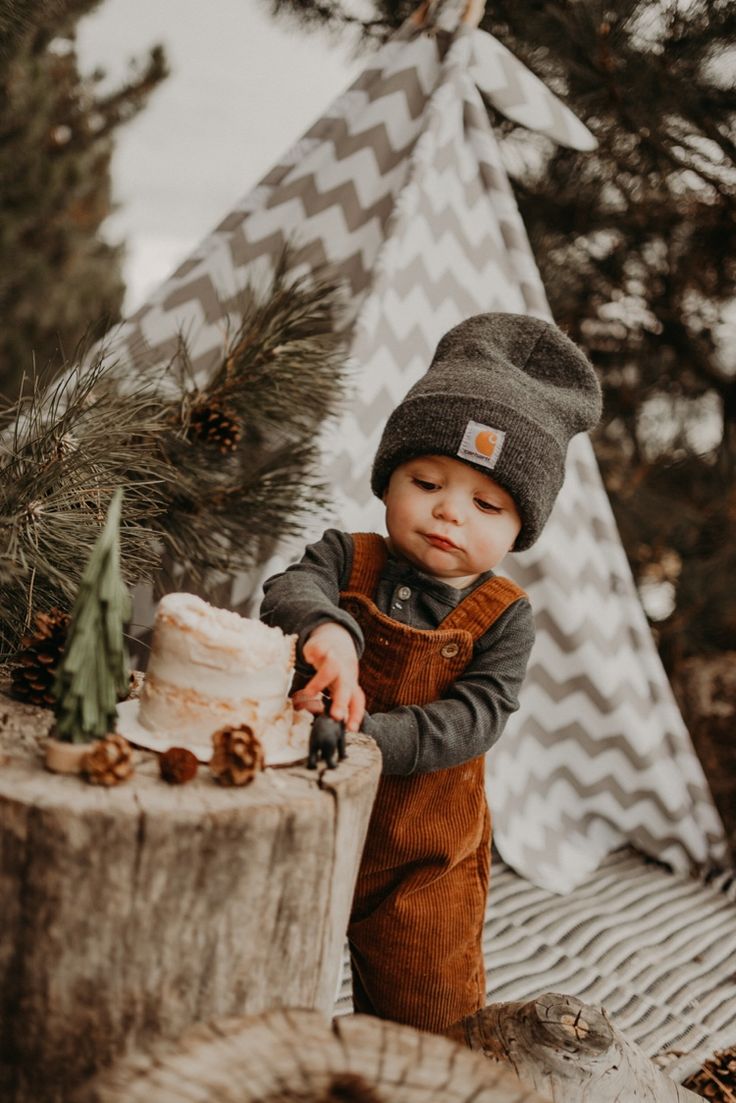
505,393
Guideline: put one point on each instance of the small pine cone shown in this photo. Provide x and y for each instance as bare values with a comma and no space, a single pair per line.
177,765
40,655
214,424
238,755
109,762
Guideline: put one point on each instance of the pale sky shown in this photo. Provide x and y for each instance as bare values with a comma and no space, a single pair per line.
241,89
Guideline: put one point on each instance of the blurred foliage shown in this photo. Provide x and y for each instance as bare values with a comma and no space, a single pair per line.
636,243
56,140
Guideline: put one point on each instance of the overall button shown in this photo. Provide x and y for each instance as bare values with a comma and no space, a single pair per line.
404,593
450,650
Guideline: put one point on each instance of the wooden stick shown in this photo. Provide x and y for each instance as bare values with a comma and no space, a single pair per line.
569,1051
470,15
474,12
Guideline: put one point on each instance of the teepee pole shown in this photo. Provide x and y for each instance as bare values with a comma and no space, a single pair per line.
474,12
448,15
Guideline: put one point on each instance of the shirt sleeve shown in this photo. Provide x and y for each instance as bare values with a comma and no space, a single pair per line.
307,593
471,716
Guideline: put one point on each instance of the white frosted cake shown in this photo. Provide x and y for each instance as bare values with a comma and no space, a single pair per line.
209,668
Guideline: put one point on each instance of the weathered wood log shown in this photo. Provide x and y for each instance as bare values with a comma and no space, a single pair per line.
568,1050
134,912
290,1056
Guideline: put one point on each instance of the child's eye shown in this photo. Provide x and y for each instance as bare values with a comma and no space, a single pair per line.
487,507
424,484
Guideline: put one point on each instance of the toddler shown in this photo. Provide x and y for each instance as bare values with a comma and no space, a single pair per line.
416,640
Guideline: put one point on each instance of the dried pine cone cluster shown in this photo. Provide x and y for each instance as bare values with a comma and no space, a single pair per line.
40,654
716,1080
237,758
213,423
109,762
237,755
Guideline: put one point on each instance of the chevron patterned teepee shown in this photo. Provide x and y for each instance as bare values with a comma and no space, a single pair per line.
400,188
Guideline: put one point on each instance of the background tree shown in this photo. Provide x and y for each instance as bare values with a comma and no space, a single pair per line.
636,246
59,281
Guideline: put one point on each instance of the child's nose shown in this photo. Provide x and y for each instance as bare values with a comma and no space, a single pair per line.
448,507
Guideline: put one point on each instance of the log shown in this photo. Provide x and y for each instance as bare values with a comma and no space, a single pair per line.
133,912
569,1051
294,1056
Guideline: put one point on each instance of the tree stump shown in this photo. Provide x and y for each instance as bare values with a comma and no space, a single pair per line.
134,912
294,1057
568,1050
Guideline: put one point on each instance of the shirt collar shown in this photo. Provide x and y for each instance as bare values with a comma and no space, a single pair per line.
400,570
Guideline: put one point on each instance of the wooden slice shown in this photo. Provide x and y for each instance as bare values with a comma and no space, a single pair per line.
295,1057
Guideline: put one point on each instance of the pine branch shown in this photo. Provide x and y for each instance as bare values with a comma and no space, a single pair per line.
66,451
211,472
244,445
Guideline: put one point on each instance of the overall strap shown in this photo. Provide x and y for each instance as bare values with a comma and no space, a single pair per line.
475,613
481,608
369,558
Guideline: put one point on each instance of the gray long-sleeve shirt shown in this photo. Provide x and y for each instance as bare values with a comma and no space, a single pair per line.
470,717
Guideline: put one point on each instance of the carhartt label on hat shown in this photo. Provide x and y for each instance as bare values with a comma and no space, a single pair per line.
481,444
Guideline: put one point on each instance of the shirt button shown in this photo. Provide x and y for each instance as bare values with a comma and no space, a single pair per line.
450,650
404,593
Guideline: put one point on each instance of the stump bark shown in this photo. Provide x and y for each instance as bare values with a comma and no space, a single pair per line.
568,1050
294,1057
134,912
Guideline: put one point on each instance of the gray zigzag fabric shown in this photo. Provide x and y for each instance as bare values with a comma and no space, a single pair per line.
400,187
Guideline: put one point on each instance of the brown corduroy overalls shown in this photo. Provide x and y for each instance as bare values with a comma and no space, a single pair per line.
417,920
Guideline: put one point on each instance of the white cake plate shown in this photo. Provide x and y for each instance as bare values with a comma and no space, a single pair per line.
129,725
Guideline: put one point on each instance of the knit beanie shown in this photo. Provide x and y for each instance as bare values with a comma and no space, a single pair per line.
504,393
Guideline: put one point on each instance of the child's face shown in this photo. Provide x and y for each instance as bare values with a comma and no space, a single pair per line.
448,519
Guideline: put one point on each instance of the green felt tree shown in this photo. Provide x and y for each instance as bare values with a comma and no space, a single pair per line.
93,674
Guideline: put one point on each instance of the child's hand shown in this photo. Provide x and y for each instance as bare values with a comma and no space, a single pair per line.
331,651
311,702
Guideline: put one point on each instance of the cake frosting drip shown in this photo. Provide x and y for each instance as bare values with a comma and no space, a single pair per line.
210,668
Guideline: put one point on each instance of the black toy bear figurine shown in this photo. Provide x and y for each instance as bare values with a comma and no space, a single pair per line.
326,739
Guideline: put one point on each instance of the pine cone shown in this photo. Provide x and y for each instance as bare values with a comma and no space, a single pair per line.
717,1078
213,423
238,755
109,762
177,765
40,655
